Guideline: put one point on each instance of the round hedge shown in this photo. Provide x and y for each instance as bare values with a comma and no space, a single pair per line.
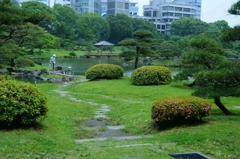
21,103
104,71
151,75
179,108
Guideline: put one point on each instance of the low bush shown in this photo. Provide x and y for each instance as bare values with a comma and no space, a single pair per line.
104,71
43,70
21,103
72,54
5,77
23,62
151,75
179,108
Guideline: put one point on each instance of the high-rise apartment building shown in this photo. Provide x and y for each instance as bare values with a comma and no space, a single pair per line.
163,12
63,2
118,6
81,6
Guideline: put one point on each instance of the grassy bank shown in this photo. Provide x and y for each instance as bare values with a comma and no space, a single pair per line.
130,106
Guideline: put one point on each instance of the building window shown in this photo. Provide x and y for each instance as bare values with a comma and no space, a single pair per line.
126,5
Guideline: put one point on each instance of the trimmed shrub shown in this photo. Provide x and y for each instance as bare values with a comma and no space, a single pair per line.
22,62
43,70
21,103
72,54
151,75
179,108
104,71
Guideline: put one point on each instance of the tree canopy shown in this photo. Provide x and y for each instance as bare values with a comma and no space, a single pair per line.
188,26
141,43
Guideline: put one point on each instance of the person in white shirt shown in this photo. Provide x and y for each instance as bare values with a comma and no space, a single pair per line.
53,61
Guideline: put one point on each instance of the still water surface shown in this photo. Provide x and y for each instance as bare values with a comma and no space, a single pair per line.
80,65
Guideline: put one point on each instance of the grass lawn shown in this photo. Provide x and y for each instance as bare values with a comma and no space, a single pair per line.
130,105
63,52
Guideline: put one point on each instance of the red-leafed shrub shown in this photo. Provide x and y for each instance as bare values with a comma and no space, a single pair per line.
179,108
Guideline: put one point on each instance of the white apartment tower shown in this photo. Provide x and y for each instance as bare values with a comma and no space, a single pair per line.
118,6
163,12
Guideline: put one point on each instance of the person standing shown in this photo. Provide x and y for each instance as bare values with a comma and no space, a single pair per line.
52,61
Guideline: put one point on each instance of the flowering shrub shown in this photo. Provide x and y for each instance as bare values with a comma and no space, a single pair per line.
151,75
106,71
21,103
178,108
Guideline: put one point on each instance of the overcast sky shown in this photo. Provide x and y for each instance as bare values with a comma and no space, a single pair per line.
212,10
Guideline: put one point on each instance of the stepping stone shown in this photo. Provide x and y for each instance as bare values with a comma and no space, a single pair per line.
92,103
95,123
110,133
116,127
238,107
100,116
116,138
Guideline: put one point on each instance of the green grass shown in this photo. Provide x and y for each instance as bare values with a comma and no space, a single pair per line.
63,52
130,105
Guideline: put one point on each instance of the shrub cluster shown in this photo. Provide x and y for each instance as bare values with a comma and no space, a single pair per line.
179,108
23,62
151,75
72,54
21,103
104,71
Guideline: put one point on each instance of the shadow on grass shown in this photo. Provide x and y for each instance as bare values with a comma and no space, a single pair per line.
168,125
36,126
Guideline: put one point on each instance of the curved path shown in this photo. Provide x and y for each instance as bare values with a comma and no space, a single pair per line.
100,119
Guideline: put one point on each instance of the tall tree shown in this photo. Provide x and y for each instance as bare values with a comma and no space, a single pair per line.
16,24
217,83
120,27
64,24
92,25
169,49
206,54
188,26
141,43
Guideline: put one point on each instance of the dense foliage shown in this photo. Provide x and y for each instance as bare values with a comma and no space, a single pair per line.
140,46
151,75
22,62
179,108
21,103
104,71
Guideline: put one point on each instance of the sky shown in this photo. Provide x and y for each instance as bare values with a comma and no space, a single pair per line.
212,11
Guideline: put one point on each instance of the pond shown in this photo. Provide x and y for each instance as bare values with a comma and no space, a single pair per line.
80,65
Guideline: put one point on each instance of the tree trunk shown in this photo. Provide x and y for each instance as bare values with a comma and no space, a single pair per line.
136,62
191,84
221,106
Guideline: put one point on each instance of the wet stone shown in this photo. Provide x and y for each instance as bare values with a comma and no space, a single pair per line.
110,133
118,127
100,116
95,123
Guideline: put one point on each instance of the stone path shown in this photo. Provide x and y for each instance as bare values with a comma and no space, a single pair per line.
100,120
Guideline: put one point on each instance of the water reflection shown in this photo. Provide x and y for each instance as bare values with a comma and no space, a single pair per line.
80,65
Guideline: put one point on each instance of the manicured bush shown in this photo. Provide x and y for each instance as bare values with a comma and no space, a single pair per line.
43,70
72,54
179,108
151,75
104,71
23,62
21,103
